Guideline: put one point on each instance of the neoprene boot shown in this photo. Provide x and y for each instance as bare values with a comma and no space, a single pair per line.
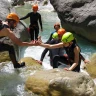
19,65
14,61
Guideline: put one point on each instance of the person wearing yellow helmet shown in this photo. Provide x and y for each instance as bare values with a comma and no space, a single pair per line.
34,18
72,50
11,22
56,27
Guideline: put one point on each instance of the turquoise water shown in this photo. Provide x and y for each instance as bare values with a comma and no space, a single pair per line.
11,80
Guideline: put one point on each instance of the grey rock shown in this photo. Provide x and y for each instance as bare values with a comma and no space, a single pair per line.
77,16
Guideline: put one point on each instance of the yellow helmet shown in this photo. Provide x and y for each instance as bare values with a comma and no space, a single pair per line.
13,16
67,37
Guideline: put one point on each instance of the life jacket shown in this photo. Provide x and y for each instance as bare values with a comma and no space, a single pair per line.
70,53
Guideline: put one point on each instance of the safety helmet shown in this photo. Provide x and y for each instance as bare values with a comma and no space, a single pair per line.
56,24
67,37
13,16
55,35
35,7
61,31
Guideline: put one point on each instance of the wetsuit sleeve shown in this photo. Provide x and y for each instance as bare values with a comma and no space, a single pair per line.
43,54
40,21
28,15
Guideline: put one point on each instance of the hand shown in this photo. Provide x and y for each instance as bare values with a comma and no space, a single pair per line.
40,62
39,40
67,69
34,42
86,61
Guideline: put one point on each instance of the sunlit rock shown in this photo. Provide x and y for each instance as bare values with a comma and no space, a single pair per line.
58,82
91,67
31,63
4,56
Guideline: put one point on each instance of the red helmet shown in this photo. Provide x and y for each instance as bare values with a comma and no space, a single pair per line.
35,7
61,31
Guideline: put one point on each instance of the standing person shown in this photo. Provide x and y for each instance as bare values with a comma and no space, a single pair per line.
56,27
5,31
34,18
72,50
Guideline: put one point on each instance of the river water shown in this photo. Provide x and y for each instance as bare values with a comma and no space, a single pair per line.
12,83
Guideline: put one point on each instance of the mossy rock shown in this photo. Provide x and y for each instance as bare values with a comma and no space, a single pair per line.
31,63
4,56
91,67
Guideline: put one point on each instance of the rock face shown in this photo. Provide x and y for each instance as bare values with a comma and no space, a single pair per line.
57,82
17,2
77,16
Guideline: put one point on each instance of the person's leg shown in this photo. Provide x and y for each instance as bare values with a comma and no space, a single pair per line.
32,33
10,49
58,60
36,33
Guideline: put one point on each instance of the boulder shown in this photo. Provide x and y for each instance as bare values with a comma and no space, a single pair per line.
31,63
91,67
4,56
56,82
77,16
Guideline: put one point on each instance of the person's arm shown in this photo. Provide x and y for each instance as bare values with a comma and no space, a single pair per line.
85,61
76,59
28,15
82,57
50,46
11,35
40,21
43,54
59,45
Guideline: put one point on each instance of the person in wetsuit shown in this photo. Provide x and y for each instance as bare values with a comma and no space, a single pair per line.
72,50
55,51
56,27
11,22
64,59
34,18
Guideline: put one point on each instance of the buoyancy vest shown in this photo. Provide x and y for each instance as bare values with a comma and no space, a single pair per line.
71,55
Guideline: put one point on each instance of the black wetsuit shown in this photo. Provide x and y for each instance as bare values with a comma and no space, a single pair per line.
70,60
46,49
52,52
34,27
